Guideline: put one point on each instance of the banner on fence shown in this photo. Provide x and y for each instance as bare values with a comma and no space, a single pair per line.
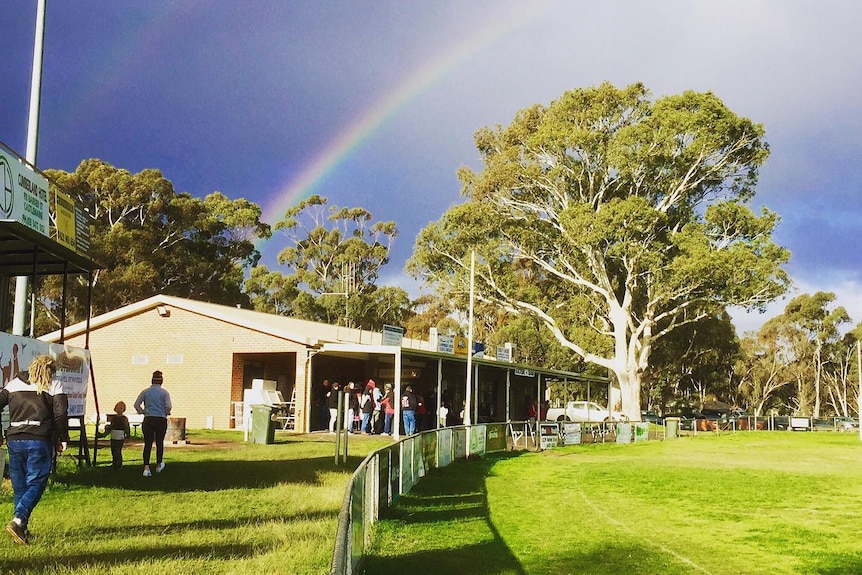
571,433
429,451
459,443
408,478
641,431
418,460
624,433
549,435
444,447
496,437
477,440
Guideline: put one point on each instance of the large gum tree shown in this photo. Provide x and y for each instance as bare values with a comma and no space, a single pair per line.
614,219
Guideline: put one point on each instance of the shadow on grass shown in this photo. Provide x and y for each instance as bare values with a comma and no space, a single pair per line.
97,561
455,495
214,475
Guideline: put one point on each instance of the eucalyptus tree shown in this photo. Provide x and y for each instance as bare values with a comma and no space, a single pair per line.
614,219
764,371
841,379
817,320
334,256
696,360
151,239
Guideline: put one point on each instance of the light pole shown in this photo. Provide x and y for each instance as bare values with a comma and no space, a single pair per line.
22,304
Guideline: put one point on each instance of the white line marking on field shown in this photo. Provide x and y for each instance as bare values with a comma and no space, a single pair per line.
640,535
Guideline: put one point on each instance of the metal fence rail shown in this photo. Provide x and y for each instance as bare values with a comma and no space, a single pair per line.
392,470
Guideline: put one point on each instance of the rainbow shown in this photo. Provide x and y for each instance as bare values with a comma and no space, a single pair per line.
366,124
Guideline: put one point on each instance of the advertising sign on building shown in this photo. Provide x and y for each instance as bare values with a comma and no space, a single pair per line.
23,193
64,210
461,345
504,353
392,335
446,344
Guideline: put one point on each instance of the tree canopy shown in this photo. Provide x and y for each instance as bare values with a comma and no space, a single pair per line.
334,256
151,239
614,219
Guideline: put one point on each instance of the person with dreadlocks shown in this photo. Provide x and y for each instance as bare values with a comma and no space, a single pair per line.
38,425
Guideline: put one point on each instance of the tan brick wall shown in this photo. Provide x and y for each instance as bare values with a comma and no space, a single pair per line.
195,353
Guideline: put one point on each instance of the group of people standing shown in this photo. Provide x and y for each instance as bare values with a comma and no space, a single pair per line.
370,410
367,409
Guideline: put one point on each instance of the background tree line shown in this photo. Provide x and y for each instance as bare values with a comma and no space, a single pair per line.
610,231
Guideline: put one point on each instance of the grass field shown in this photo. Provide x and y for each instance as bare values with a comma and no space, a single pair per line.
745,503
221,506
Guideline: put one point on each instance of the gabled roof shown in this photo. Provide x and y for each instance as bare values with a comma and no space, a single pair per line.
297,330
309,333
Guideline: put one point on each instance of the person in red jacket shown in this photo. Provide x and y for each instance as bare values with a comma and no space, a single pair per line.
38,424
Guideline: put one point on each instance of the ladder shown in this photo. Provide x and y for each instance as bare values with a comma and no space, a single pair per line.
290,418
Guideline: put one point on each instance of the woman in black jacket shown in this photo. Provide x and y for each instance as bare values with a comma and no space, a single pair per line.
38,425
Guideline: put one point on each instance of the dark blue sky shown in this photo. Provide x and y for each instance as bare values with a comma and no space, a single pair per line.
374,103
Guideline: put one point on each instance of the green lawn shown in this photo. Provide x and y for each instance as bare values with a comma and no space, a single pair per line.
221,506
747,503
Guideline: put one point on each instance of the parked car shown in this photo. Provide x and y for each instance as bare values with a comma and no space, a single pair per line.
651,417
846,424
690,420
581,411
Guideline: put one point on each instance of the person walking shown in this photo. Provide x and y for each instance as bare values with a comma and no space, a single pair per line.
408,410
38,424
155,404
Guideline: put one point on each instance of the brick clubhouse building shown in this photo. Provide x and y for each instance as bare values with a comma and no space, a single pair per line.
210,354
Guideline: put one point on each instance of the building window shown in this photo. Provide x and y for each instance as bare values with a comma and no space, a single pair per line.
140,359
174,359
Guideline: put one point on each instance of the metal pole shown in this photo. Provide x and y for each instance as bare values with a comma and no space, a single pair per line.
468,399
859,367
338,422
22,282
439,391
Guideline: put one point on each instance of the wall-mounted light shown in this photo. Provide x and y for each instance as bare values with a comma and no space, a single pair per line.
163,311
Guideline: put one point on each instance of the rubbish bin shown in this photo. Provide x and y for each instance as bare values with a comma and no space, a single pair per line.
671,426
176,431
262,425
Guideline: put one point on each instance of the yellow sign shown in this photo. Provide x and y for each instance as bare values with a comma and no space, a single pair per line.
460,345
64,209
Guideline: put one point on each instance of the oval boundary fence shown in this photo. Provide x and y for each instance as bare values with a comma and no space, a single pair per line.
393,470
